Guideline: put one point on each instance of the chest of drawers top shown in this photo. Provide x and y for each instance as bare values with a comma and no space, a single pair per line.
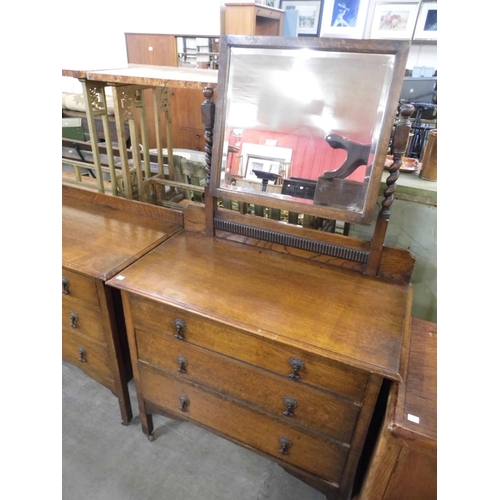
327,311
100,238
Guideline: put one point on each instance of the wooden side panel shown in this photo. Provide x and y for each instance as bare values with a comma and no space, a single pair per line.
145,48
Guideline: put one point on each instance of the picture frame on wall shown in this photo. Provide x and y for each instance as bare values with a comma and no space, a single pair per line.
426,27
309,15
394,21
344,18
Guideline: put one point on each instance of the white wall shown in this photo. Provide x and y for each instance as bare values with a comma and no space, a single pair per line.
96,38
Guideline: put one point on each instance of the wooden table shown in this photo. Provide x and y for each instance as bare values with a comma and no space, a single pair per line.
404,464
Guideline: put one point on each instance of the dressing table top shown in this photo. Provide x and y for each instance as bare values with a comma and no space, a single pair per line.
339,314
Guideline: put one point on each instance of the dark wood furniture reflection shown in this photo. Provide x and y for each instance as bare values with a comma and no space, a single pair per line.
253,19
101,235
161,50
404,463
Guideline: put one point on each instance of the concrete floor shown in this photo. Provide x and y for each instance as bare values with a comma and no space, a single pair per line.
104,460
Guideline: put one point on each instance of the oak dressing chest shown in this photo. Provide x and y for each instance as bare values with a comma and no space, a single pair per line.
101,235
276,336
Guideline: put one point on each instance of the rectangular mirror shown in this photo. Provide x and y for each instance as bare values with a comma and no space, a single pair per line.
304,124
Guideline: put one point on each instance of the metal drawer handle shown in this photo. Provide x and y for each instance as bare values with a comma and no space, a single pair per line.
65,285
184,403
290,404
297,365
180,327
285,445
74,319
183,362
83,355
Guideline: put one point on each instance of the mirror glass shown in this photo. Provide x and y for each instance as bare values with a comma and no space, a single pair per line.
304,126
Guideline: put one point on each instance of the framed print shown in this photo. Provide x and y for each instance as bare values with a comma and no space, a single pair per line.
344,18
426,28
393,20
309,15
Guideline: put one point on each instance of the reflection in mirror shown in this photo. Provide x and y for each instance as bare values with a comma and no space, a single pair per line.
311,117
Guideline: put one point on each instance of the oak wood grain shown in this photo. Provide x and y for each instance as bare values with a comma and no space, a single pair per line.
331,312
100,241
309,451
239,344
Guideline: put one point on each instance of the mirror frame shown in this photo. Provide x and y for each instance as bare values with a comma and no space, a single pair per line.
399,49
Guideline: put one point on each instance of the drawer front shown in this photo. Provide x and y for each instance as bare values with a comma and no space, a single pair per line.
259,11
279,358
79,287
276,394
79,318
92,358
308,451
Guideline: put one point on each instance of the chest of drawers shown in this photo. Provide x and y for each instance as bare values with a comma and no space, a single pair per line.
277,353
100,237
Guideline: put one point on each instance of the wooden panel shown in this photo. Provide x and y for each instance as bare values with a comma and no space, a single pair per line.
251,427
316,409
100,241
251,19
80,288
404,463
240,20
418,395
145,48
190,138
218,337
97,357
414,477
89,321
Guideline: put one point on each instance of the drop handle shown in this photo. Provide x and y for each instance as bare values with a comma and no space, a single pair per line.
74,319
297,364
180,328
83,355
184,403
65,285
285,445
290,404
183,362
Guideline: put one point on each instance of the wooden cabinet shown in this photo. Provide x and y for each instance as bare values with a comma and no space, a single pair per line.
404,463
161,50
242,340
253,19
99,239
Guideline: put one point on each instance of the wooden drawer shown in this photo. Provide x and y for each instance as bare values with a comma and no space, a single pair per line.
315,409
79,287
91,357
271,14
317,371
86,321
308,451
